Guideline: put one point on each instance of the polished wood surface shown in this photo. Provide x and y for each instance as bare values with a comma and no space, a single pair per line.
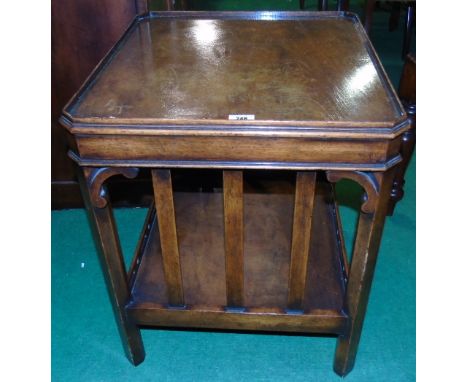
190,69
233,198
164,202
302,223
354,120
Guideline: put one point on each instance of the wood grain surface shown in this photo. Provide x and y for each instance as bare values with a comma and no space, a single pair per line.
273,65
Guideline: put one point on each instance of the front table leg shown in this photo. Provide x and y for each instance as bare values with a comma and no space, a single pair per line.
369,231
107,241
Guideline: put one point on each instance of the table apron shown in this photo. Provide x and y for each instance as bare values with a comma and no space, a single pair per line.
236,152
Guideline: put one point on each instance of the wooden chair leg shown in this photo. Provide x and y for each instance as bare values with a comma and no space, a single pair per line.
169,5
368,13
322,5
107,241
407,93
394,16
407,147
343,5
369,232
408,31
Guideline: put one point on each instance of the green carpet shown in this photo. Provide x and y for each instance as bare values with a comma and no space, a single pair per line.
85,341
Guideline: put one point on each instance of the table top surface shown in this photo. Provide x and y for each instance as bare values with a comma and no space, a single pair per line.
273,68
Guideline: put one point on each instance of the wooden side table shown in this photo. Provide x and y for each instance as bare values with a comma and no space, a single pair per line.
279,106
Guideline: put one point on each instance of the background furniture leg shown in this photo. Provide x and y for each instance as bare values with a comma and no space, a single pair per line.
322,5
343,5
394,16
408,31
169,5
407,93
110,254
368,12
369,232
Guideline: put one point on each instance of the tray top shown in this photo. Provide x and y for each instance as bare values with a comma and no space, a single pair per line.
280,68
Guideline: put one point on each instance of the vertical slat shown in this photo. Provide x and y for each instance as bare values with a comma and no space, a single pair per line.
234,237
302,223
164,202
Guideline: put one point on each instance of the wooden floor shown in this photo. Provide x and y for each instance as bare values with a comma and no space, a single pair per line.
268,214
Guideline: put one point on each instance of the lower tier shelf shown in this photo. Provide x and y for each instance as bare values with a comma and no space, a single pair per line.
268,219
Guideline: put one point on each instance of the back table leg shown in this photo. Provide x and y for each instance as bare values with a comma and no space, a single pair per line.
369,232
108,245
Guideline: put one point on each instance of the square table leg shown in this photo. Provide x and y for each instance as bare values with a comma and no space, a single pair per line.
369,231
107,242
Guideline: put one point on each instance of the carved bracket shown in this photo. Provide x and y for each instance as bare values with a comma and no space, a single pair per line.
369,181
95,178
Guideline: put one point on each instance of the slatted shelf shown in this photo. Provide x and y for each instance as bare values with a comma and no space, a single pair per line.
268,216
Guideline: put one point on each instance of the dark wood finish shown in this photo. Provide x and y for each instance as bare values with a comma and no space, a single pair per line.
368,235
207,137
343,5
164,203
407,87
141,245
394,15
98,176
170,5
368,13
367,180
322,5
268,223
192,97
409,26
410,19
218,149
302,223
82,32
104,230
234,237
407,92
254,319
251,251
142,7
66,194
341,242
